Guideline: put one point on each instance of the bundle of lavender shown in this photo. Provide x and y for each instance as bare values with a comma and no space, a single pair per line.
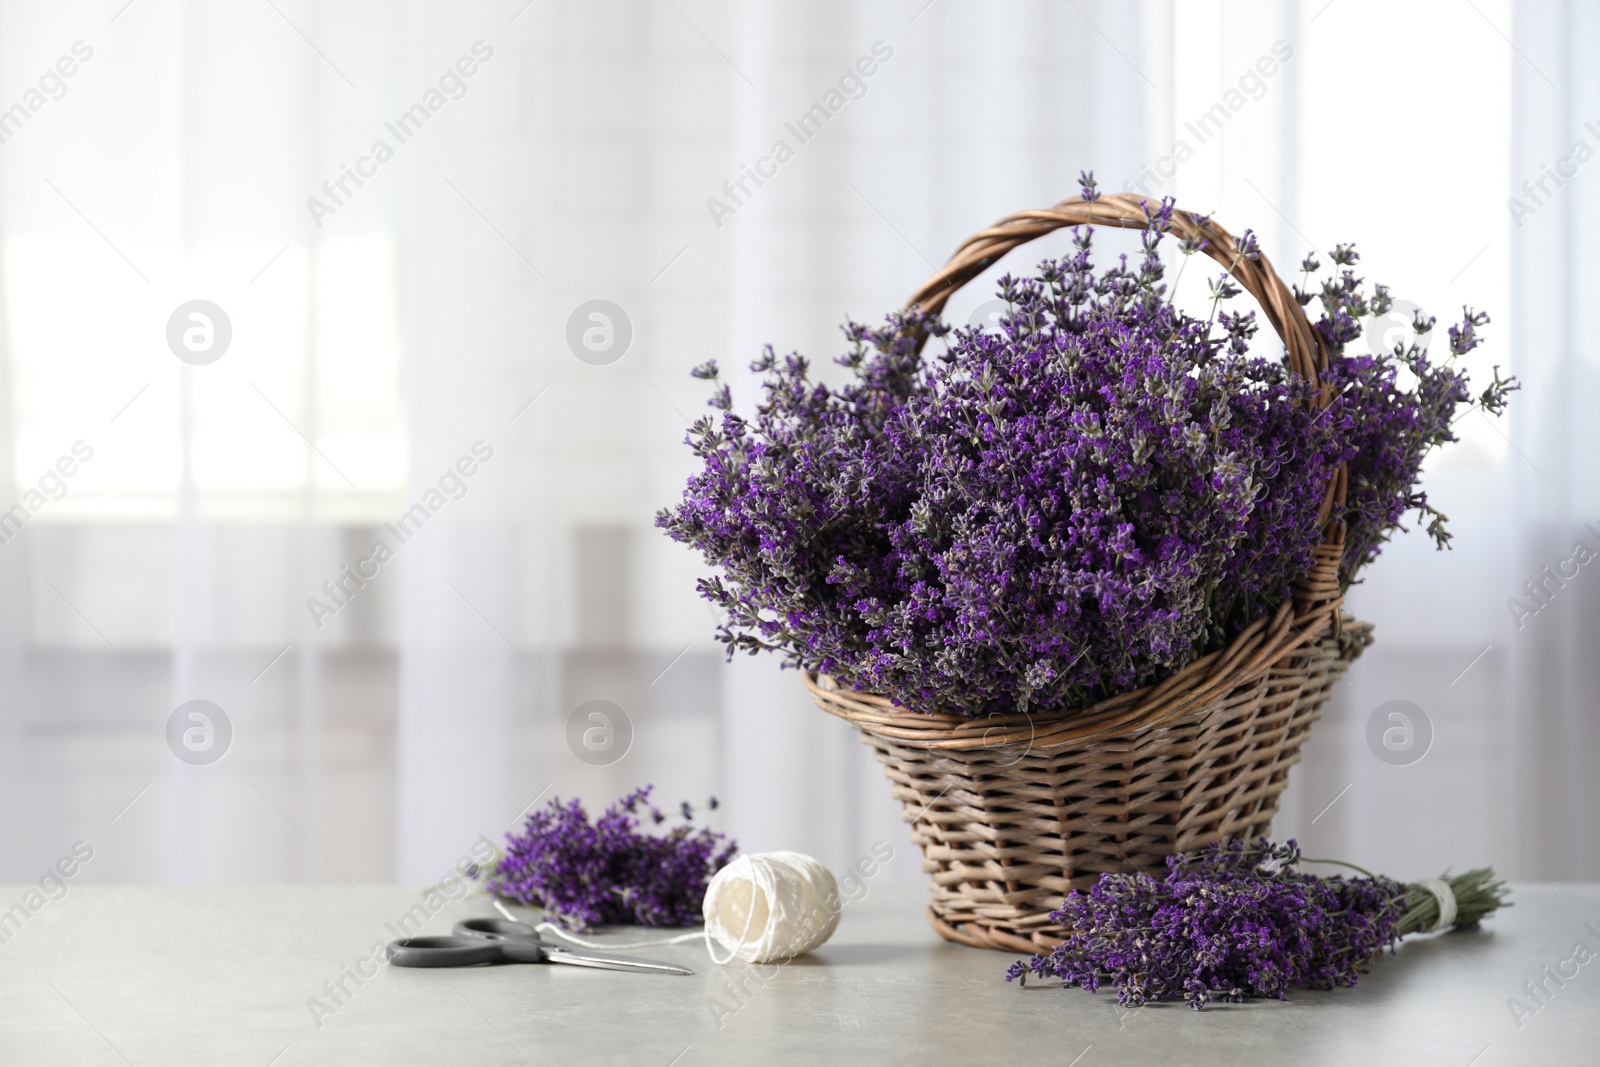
586,874
1072,506
1235,921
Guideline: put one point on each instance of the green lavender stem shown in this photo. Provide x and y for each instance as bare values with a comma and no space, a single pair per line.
1478,894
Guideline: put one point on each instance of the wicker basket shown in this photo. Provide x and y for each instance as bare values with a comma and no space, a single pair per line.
1013,811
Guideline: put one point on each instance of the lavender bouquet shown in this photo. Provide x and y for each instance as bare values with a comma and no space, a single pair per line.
590,874
1235,921
1078,504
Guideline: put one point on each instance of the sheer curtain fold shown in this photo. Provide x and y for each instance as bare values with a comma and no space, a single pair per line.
418,325
1554,679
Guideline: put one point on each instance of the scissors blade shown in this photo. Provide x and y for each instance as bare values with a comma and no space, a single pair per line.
585,958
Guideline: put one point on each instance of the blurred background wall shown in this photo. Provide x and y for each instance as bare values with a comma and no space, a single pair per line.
400,316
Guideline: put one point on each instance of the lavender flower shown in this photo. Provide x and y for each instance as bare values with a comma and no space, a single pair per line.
1070,507
1073,506
587,874
1394,409
1236,921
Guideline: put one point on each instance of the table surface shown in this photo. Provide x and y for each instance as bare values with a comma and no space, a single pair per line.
227,975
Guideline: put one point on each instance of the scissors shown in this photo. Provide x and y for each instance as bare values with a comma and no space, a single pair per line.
474,941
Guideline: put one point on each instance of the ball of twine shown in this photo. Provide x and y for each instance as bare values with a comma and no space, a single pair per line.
770,906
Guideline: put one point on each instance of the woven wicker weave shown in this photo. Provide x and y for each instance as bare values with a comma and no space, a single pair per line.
1013,811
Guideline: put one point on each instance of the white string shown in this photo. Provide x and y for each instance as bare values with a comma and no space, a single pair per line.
744,934
782,904
1447,902
552,928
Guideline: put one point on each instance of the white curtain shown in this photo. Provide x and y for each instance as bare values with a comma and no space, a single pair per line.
602,152
1552,686
1425,183
628,126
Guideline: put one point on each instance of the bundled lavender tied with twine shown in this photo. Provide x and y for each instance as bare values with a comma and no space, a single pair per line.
1233,921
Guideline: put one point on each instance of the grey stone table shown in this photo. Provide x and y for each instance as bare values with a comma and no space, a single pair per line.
248,977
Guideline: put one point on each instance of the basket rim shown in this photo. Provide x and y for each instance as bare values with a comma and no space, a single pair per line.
1242,661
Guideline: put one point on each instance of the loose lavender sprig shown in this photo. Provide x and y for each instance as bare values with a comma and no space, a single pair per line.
1234,921
1401,404
590,874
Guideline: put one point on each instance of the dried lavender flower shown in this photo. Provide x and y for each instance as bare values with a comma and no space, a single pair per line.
1397,407
589,874
1235,921
1070,507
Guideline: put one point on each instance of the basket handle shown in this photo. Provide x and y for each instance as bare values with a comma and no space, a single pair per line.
1307,354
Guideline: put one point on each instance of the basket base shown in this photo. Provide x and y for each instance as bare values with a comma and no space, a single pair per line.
987,936
1006,831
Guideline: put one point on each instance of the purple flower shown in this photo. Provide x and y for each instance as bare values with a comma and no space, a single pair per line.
1071,507
587,874
1393,409
1249,247
1235,921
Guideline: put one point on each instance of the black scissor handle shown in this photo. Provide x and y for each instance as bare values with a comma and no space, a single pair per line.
443,952
472,942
